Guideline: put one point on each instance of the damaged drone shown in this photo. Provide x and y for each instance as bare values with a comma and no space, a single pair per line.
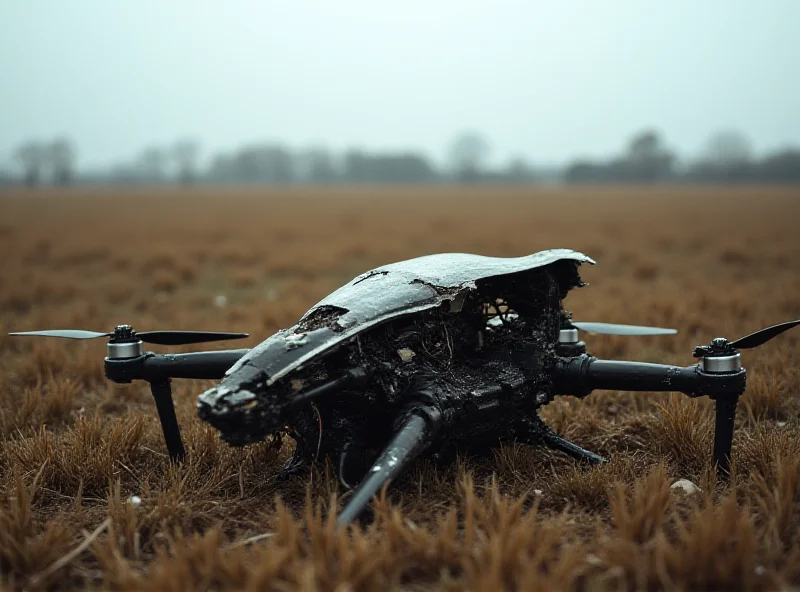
435,355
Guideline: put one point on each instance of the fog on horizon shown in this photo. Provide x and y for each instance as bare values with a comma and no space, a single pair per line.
544,80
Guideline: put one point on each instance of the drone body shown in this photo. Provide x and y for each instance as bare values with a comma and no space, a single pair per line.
439,354
472,338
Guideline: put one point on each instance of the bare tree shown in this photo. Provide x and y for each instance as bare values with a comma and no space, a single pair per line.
151,163
647,159
518,170
729,148
468,154
185,153
61,156
31,156
644,146
315,165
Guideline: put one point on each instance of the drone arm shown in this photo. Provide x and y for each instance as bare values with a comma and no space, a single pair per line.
581,375
211,364
154,367
413,435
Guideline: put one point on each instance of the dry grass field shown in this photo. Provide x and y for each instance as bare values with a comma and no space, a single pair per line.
75,448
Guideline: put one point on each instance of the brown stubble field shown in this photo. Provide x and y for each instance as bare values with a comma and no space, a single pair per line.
74,447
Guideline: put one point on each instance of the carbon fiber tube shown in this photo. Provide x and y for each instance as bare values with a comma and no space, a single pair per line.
162,393
153,367
723,432
212,364
580,375
413,436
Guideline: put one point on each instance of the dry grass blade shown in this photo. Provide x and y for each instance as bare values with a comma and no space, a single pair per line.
66,559
251,540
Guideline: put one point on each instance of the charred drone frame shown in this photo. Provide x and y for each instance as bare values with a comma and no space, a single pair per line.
379,405
719,375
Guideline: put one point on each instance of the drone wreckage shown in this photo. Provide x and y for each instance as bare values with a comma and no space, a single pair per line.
438,354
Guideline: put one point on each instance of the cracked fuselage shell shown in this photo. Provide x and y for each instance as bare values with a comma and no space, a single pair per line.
387,294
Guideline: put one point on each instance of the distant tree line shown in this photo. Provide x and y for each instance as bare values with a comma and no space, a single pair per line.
39,161
728,158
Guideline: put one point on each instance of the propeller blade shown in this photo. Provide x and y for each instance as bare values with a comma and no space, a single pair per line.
413,436
66,333
156,337
762,336
186,337
614,329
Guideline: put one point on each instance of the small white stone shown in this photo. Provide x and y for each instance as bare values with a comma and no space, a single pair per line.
405,354
780,424
593,559
686,486
135,500
537,492
220,301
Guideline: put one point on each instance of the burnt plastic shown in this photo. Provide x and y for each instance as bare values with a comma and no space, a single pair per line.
383,294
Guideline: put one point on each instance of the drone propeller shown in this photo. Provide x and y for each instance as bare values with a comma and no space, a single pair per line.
721,347
155,337
762,336
614,329
66,333
598,328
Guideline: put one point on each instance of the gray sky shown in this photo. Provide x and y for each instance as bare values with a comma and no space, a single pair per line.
549,80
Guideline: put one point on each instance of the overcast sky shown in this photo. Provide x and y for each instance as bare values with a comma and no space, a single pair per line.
548,80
